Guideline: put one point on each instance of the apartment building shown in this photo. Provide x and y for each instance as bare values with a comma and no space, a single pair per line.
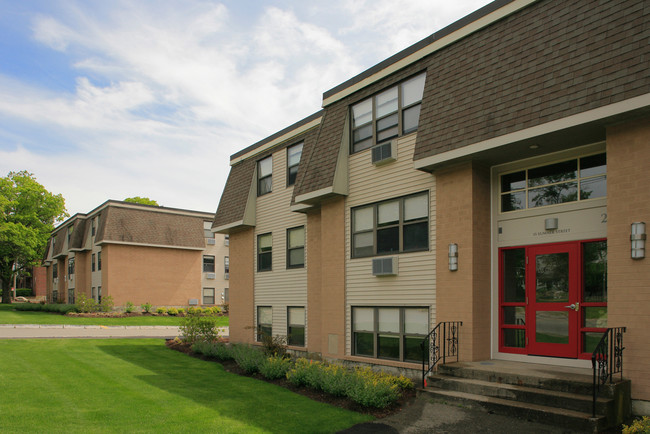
139,254
494,173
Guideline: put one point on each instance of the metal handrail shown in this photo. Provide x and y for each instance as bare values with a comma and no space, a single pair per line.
440,343
609,349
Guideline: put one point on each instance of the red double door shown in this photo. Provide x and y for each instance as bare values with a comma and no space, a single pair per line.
542,299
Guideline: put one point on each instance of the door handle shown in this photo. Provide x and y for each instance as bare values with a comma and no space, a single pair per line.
574,306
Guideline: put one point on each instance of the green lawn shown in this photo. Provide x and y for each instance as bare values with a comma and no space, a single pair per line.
138,385
9,316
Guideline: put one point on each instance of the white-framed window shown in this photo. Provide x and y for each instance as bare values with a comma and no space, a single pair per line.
296,326
572,180
208,295
293,161
226,240
225,296
207,230
265,252
226,264
264,322
92,227
296,247
265,176
392,226
208,264
392,112
389,332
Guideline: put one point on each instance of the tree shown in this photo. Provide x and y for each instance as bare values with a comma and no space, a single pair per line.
27,216
141,200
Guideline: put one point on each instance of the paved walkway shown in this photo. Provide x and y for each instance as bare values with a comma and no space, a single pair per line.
49,331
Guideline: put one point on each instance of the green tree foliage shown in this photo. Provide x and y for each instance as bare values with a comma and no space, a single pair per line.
141,200
28,213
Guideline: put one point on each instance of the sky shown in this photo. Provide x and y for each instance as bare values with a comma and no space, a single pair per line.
114,99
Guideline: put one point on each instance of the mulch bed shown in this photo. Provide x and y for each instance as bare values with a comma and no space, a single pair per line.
316,395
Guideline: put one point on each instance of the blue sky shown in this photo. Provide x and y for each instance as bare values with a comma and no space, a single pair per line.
111,99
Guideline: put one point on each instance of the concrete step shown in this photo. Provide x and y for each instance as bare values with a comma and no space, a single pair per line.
570,419
546,378
551,398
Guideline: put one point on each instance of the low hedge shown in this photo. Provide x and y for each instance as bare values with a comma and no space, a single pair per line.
53,308
24,292
362,385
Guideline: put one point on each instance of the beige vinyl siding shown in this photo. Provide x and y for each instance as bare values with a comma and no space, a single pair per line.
280,287
415,284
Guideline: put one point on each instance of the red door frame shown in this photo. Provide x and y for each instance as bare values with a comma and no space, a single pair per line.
577,329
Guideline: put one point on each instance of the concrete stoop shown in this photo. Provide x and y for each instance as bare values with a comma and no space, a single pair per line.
541,395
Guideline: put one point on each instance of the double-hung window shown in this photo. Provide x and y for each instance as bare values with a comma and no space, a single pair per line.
296,247
392,226
393,112
55,271
226,264
265,176
208,264
389,332
293,160
70,266
296,326
99,261
208,295
92,262
264,322
265,252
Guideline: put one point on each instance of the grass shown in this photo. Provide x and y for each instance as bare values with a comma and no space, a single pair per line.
9,316
138,385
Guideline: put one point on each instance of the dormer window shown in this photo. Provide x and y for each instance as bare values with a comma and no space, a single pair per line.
389,114
293,160
265,176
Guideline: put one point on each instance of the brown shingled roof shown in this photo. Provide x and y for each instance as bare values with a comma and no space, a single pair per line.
149,227
232,204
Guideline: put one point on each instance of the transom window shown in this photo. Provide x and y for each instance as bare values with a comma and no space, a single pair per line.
392,112
296,247
264,252
389,332
293,161
265,176
568,181
264,322
393,226
296,326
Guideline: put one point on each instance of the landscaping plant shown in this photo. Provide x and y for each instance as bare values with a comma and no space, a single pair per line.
128,307
107,304
196,327
85,304
146,307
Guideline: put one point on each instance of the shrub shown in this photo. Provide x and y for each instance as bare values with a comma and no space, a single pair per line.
146,307
53,308
128,307
172,311
85,304
216,310
181,311
334,379
225,308
107,304
639,426
274,345
217,350
195,327
275,367
372,389
193,310
161,310
248,358
24,292
305,373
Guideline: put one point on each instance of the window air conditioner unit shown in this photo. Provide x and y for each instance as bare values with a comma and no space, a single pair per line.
384,153
211,241
384,266
211,276
193,301
226,276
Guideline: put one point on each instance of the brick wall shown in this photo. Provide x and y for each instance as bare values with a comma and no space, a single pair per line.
628,201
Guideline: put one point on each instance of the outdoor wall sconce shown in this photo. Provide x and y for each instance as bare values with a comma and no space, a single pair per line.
637,240
550,224
453,257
